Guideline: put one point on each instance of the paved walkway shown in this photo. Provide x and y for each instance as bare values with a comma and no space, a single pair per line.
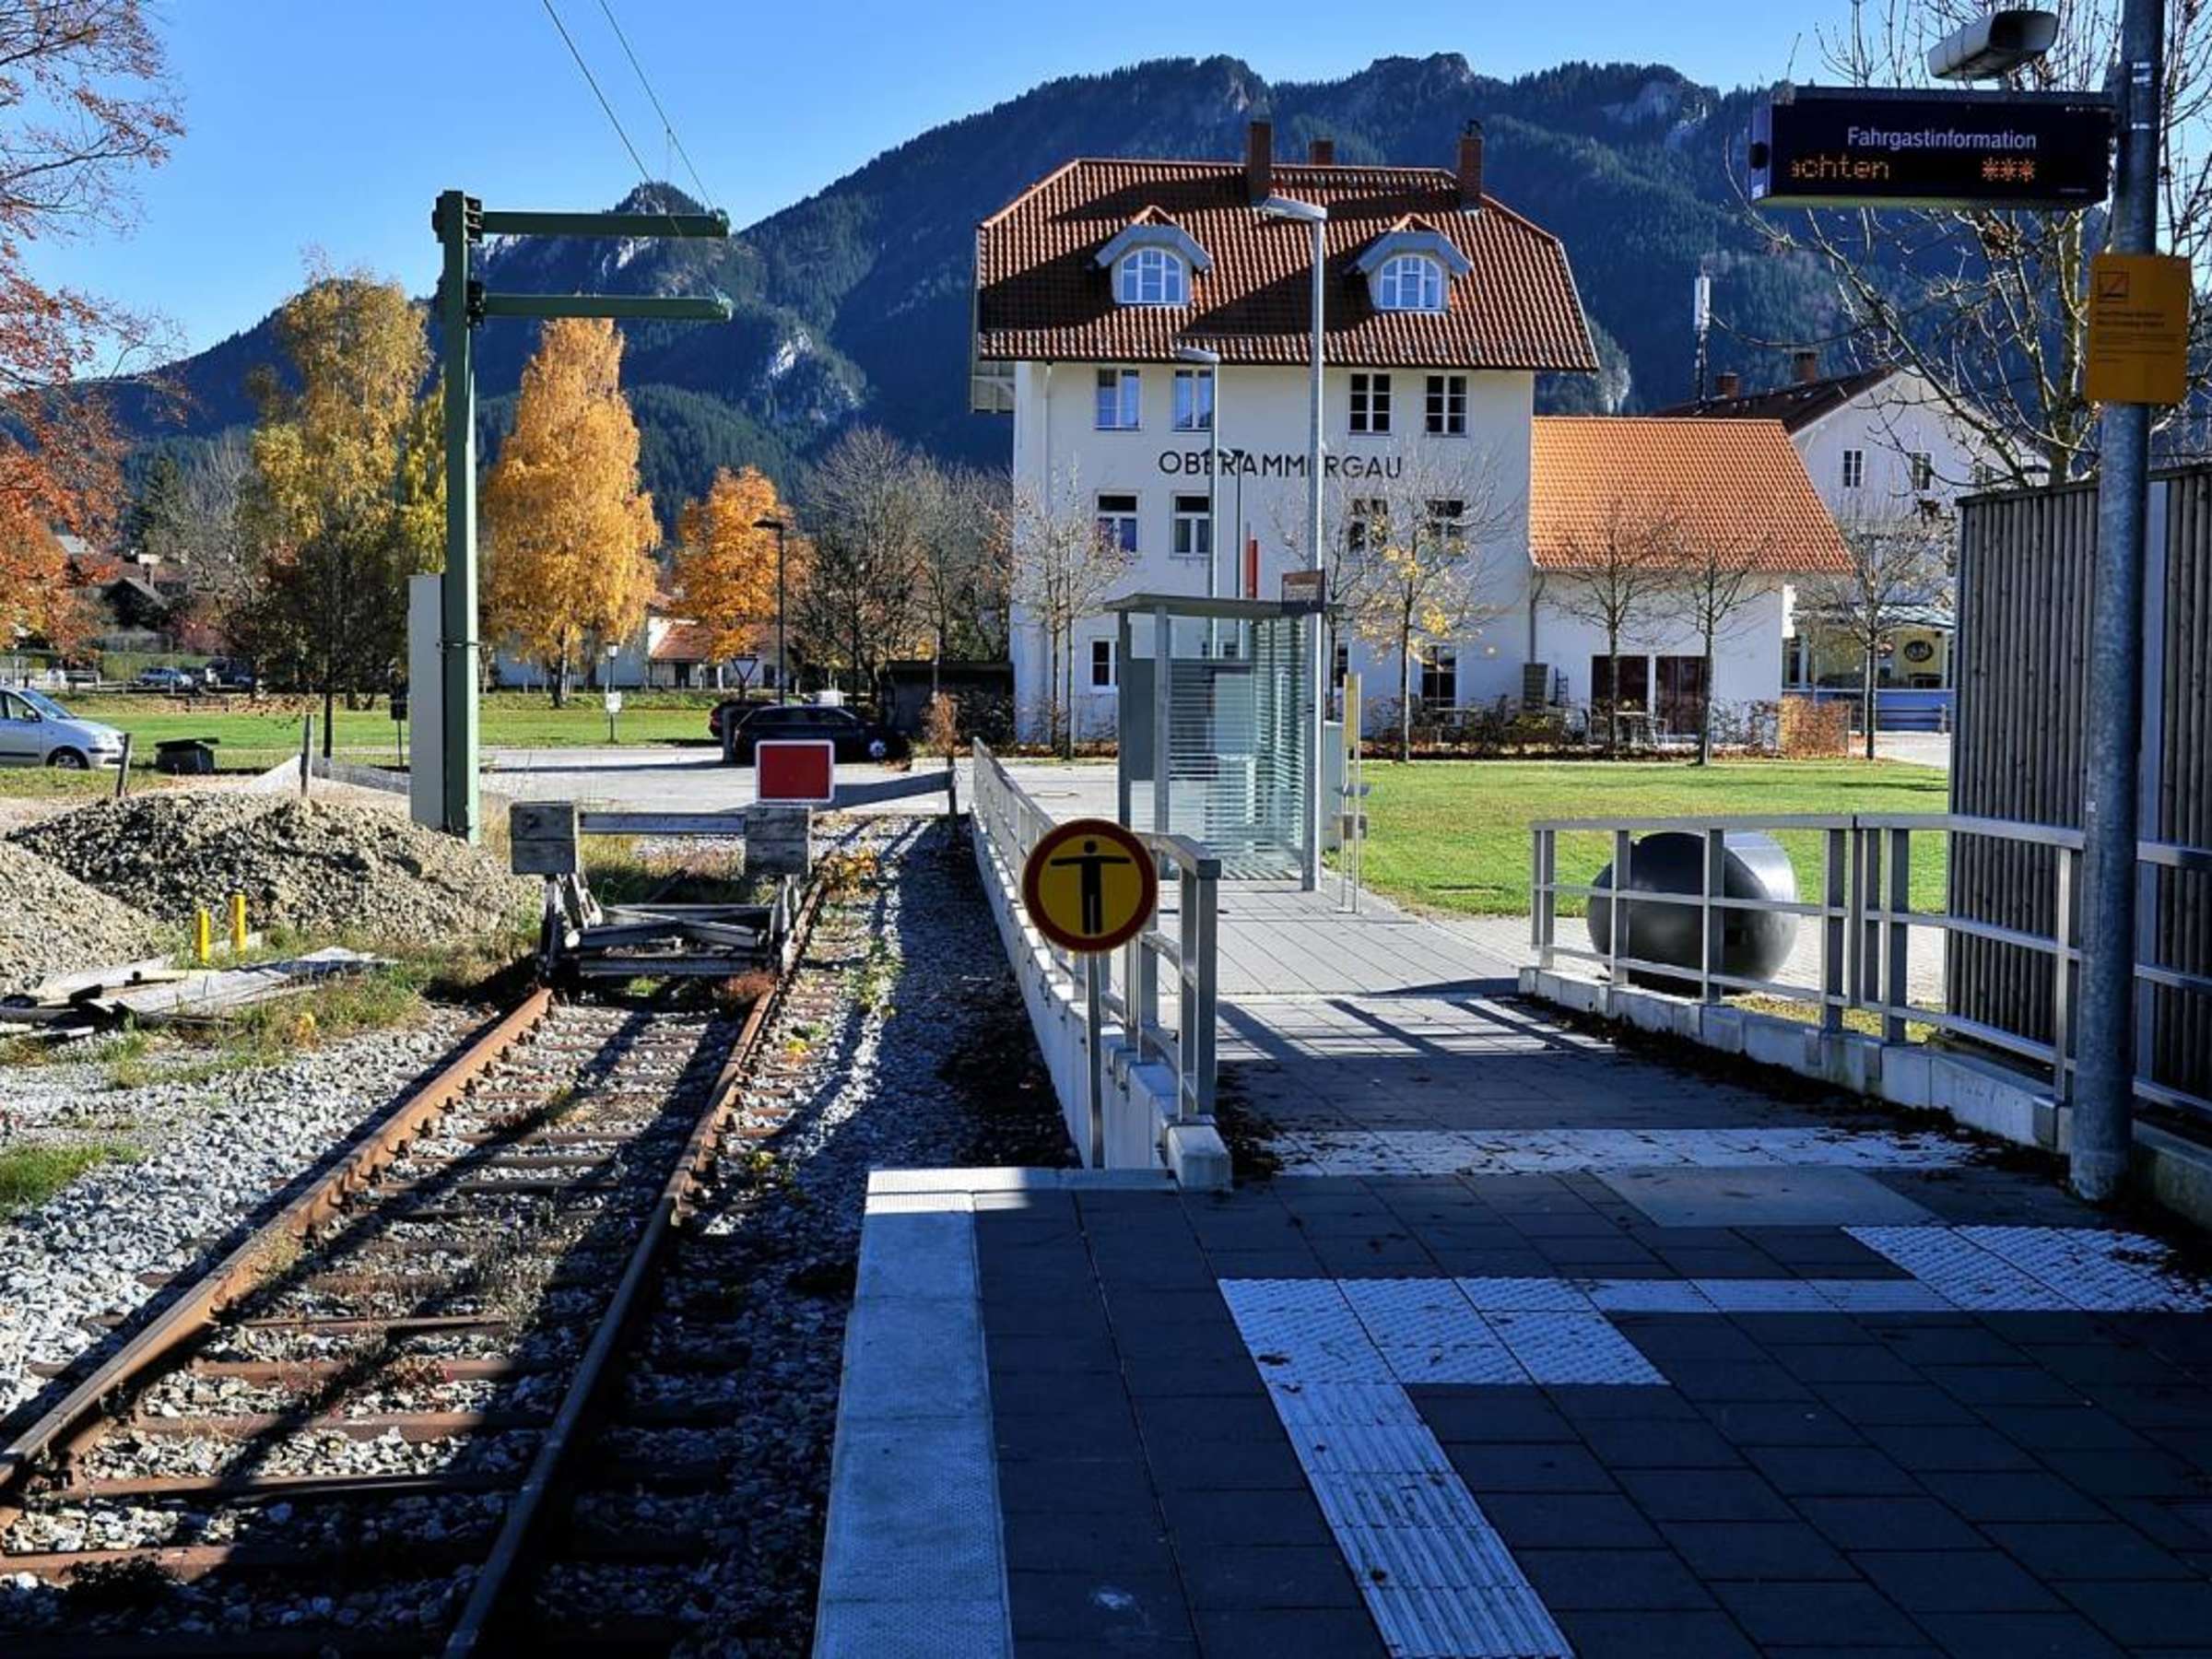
1530,1348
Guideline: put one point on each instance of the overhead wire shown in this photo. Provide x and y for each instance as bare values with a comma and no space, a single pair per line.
667,126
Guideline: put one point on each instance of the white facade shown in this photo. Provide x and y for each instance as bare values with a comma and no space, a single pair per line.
1746,657
1881,455
1063,457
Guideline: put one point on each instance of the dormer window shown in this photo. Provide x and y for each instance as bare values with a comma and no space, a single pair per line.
1410,282
1153,276
1152,261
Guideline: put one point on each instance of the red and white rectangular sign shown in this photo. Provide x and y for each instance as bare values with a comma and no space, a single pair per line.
795,771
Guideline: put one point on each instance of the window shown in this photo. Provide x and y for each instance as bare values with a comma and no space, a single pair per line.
1681,692
1410,282
1366,522
1920,467
1193,531
1101,664
1854,468
1635,681
1344,662
1118,399
1439,679
1151,276
1448,404
1194,400
1447,522
1371,403
1117,522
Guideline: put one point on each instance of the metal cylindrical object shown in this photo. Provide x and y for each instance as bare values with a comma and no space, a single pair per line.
1754,944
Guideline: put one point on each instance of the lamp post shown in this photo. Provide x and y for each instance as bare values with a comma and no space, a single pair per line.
613,698
782,656
1316,218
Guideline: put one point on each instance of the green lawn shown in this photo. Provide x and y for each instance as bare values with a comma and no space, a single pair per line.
257,736
1453,835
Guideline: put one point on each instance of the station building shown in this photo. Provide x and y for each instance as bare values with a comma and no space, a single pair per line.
1096,290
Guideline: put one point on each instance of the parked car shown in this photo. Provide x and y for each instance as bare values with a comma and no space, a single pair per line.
173,681
856,738
228,674
37,731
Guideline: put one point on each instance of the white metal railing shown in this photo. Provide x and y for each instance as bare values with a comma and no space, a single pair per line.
1866,919
1012,823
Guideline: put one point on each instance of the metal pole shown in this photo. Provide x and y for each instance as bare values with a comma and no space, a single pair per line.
2112,736
1094,1056
1317,723
782,649
457,586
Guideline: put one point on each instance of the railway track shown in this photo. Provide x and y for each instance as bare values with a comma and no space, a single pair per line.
465,1360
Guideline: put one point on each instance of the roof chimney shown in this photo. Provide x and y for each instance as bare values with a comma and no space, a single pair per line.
1805,367
1726,386
1470,166
1259,160
1322,152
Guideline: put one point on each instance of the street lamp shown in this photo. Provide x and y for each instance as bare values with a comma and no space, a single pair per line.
1317,217
613,698
782,656
1212,361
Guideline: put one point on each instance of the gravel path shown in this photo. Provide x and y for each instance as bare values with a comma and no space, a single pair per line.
51,922
214,1149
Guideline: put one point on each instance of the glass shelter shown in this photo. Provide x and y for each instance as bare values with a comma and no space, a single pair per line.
1220,728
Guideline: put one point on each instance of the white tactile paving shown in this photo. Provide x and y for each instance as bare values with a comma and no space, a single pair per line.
2106,1272
1524,1295
1574,1348
1960,1271
1542,1152
1649,1296
1437,1580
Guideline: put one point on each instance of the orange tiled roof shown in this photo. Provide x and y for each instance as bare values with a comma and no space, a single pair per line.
1726,483
681,643
1040,295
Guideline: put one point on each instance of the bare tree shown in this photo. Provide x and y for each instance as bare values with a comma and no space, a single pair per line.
1425,546
1898,568
1064,565
861,605
964,580
1622,570
1991,306
1348,569
1715,580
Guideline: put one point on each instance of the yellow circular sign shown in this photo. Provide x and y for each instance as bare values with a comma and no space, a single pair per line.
1090,886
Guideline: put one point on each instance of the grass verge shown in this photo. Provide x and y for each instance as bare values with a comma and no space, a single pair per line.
31,1175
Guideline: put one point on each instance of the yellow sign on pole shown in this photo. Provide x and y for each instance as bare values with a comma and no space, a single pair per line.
2138,329
1090,886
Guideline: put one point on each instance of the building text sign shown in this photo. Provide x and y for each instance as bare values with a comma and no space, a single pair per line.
1822,147
2138,329
1255,463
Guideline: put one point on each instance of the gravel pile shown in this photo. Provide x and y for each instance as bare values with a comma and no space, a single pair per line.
51,922
216,1148
315,865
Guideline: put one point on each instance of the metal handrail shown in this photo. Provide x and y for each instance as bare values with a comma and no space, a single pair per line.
1868,918
1012,823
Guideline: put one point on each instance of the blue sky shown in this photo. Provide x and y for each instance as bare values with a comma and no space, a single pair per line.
332,125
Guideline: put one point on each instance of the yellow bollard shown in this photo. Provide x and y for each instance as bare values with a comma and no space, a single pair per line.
203,936
238,923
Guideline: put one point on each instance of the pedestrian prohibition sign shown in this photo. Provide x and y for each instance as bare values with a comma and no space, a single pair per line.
1090,886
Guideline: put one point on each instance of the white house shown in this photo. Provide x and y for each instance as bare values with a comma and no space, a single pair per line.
1095,287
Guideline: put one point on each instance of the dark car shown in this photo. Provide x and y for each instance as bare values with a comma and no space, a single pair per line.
856,739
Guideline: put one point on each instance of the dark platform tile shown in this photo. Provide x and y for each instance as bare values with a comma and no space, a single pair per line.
1088,1485
1864,1363
1489,1416
1200,1465
1889,1523
1819,1613
1528,1468
1206,1520
2120,1473
2011,1495
1128,1541
1613,1580
1869,1405
2059,1551
2018,1636
1016,1356
1756,1549
1247,1416
1306,1633
1709,1635
1113,1611
2072,1428
1568,1521
1781,1423
1779,1331
2001,1384
1665,1445
1704,1495
1223,1576
1921,1446
1600,1403
1830,1471
1955,1581
2139,1613
1221,1378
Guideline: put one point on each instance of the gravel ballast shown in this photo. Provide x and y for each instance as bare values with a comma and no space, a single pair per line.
313,865
51,922
214,1150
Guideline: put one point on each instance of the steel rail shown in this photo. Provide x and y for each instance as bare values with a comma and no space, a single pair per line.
495,1578
373,1149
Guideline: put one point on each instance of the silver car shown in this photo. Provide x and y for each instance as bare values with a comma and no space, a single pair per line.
37,731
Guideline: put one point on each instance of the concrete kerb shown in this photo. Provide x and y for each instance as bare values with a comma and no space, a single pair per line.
914,1558
1974,1092
1142,1099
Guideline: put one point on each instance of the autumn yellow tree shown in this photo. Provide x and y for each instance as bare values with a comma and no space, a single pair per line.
570,532
726,566
335,511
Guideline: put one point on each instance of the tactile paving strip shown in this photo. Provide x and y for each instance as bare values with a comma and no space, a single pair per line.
2035,1269
1538,1151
